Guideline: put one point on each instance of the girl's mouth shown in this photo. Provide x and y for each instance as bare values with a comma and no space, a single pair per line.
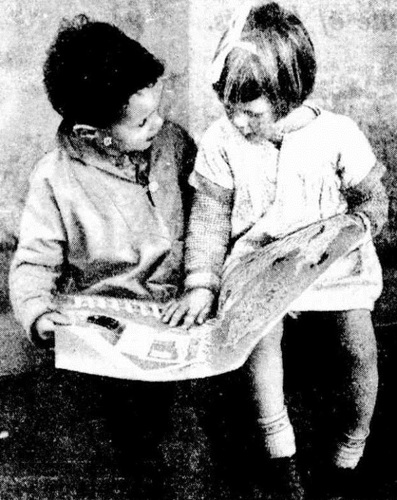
252,137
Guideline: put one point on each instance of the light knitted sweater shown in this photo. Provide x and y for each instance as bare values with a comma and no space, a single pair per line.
88,227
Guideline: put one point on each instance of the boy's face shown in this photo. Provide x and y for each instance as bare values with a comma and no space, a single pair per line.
255,119
141,121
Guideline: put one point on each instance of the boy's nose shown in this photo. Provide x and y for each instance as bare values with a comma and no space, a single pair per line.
157,123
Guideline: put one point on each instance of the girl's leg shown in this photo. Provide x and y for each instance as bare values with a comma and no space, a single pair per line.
266,370
358,349
277,435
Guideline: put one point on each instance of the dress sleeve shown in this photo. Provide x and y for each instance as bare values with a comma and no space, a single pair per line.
212,161
369,198
361,177
356,158
39,258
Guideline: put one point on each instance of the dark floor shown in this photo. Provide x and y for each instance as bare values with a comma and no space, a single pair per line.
58,446
55,445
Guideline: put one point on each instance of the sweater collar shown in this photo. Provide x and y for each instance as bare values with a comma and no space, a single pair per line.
134,166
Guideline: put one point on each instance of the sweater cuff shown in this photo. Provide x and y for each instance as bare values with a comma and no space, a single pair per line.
203,280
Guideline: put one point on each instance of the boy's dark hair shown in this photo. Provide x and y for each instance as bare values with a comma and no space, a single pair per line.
93,68
283,69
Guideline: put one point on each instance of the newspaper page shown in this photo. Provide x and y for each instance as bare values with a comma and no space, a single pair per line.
127,339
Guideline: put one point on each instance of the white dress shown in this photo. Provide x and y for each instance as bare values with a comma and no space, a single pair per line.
278,190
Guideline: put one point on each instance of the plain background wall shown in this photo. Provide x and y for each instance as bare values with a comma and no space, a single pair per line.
355,43
356,47
27,121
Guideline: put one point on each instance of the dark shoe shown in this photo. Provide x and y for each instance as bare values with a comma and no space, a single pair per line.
283,480
335,483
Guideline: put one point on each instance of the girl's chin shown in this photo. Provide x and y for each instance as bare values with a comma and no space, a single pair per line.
255,139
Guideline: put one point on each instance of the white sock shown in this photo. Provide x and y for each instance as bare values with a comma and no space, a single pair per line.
349,451
278,434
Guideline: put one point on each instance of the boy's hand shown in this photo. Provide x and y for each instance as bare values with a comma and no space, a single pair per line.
194,307
46,325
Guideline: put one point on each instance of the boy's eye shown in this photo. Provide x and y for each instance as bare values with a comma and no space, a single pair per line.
142,124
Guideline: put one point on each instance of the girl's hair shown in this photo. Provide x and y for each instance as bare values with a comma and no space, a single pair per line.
93,68
281,66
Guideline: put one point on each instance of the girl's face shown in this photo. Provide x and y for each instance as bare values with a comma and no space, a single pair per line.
141,121
255,119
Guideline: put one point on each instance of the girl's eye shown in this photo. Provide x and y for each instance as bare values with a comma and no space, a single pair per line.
230,112
142,124
229,109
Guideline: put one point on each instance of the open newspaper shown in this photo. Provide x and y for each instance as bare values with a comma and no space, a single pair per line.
126,339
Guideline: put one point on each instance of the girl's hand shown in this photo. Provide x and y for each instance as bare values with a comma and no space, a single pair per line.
194,307
47,324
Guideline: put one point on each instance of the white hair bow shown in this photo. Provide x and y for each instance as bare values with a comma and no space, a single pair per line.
232,37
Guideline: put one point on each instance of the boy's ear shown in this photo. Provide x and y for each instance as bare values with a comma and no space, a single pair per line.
85,131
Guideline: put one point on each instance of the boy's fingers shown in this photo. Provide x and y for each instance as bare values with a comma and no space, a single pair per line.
45,325
46,330
58,318
47,335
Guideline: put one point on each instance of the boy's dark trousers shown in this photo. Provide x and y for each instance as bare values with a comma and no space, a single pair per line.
137,415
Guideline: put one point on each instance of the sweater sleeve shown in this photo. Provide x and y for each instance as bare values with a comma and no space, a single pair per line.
208,234
356,157
187,154
369,197
39,258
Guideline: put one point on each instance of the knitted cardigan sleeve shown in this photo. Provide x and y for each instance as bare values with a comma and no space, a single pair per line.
369,197
208,234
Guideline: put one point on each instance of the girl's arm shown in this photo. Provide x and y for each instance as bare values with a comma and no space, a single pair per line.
208,237
187,151
206,246
39,259
369,197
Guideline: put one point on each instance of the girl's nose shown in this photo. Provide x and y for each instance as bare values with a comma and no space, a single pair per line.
241,122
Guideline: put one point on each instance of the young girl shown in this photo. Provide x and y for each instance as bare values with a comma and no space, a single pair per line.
275,164
105,213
